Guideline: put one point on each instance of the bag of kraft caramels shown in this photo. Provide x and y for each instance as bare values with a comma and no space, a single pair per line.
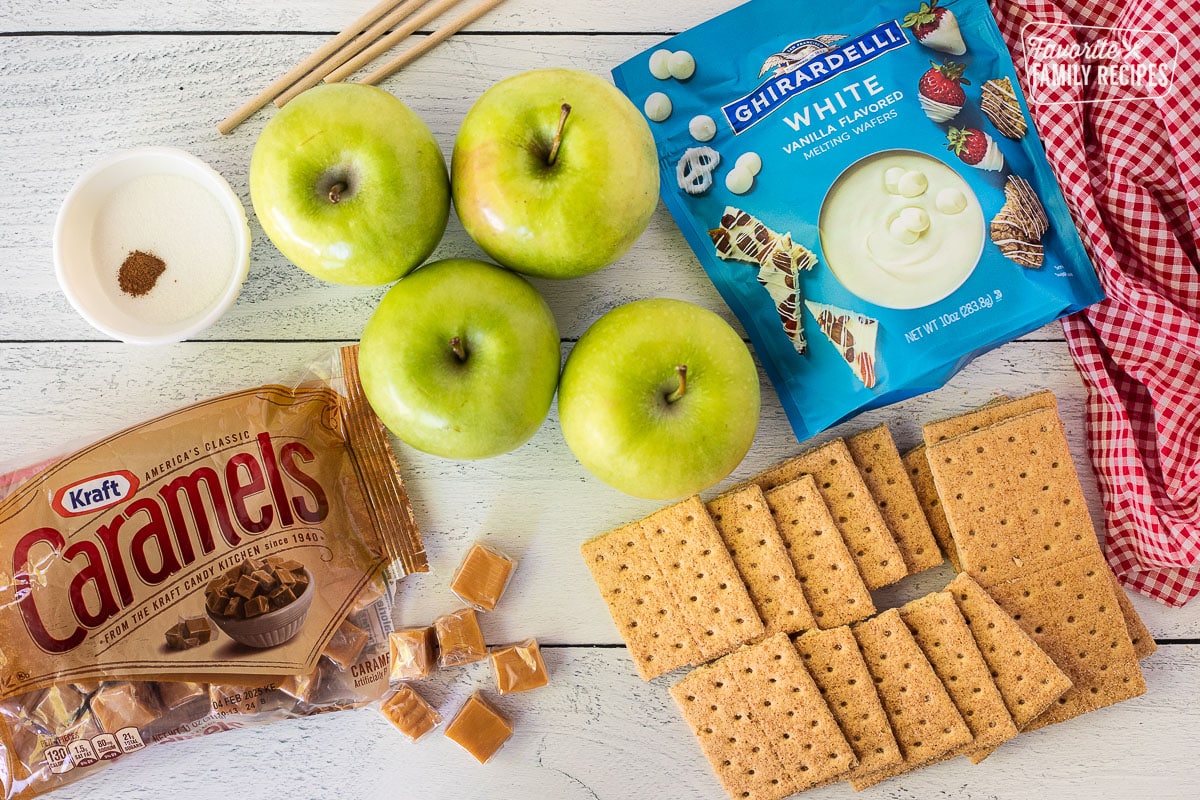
862,183
220,566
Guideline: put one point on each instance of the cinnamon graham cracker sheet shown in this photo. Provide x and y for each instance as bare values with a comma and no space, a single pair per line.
745,524
1012,497
1028,679
946,640
672,589
922,715
858,520
1022,530
761,722
837,667
917,465
995,413
832,584
875,454
1072,612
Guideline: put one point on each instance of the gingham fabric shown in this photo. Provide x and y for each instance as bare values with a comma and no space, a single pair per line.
1130,170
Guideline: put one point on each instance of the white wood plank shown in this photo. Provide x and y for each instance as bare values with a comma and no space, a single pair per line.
162,90
537,502
598,732
324,16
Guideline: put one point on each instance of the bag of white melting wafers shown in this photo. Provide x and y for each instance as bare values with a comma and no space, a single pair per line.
223,565
864,185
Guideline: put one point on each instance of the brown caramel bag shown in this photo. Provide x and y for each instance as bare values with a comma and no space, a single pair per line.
223,565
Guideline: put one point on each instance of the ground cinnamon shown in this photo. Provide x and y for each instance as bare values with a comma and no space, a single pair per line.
139,273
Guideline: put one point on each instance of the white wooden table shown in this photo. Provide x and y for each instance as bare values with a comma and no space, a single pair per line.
79,80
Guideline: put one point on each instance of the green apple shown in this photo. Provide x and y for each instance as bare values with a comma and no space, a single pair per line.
461,359
660,399
350,185
554,173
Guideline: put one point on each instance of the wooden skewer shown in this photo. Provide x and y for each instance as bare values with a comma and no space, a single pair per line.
441,34
300,70
351,49
387,42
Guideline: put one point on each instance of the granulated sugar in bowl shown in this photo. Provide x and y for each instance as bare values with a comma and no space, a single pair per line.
151,246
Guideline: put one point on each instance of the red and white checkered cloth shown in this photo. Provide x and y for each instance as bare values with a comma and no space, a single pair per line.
1130,170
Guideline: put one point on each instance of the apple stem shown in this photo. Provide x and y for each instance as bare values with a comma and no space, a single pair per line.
562,122
335,192
675,396
456,345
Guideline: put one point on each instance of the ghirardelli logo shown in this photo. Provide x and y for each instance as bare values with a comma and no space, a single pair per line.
95,494
798,53
806,63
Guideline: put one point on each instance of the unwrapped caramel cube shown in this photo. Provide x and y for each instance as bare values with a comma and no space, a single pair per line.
346,644
482,576
414,653
409,712
479,728
459,639
190,632
519,667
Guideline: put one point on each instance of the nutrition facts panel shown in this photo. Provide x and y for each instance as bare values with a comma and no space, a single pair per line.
82,80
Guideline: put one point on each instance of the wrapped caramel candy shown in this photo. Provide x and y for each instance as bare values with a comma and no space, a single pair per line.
459,639
482,577
479,728
126,704
409,712
346,644
414,653
519,667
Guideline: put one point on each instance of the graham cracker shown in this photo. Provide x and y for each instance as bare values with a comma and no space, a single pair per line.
1028,679
788,707
1143,642
837,667
1072,612
694,561
919,473
942,633
922,715
858,520
745,524
716,711
875,454
832,584
642,604
998,411
1012,497
987,415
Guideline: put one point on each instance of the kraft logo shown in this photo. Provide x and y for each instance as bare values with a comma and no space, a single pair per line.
93,494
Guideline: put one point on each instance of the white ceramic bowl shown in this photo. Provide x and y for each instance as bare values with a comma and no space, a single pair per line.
272,628
82,280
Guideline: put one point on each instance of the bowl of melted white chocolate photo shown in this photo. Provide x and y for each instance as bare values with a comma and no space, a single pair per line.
151,246
901,229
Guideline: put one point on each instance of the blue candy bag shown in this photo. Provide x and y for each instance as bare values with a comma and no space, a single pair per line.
864,185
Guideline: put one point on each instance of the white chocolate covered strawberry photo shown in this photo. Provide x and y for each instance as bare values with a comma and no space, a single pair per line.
976,148
936,28
940,91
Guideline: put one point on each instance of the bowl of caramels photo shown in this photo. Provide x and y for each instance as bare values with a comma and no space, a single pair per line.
261,603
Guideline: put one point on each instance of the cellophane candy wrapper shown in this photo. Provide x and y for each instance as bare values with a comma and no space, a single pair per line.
223,565
864,186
